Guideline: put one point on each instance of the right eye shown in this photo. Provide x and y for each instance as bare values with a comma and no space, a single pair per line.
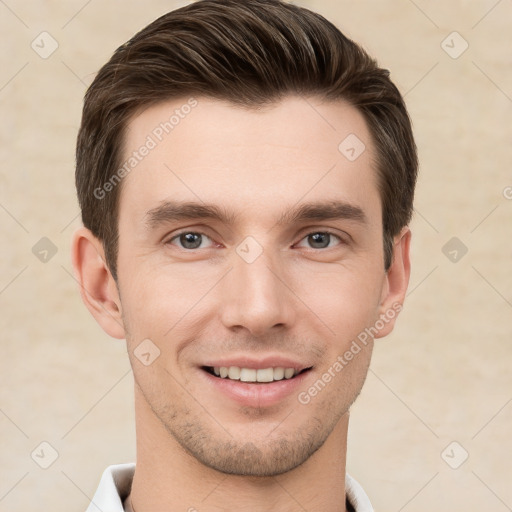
189,240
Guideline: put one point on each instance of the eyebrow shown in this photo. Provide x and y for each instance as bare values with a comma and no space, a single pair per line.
169,211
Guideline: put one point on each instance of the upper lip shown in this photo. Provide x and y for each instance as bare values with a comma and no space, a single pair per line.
259,363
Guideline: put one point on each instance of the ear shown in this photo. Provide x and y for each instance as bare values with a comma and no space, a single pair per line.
395,284
97,286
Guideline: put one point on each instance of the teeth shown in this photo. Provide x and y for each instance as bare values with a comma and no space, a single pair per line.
248,375
234,373
266,375
278,373
288,373
252,375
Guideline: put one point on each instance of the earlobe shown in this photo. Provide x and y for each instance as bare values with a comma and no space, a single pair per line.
396,282
97,286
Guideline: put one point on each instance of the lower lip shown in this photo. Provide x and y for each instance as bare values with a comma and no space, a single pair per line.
254,394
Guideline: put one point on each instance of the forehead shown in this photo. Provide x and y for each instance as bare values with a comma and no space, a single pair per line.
205,150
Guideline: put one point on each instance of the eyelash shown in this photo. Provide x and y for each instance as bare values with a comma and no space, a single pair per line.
324,232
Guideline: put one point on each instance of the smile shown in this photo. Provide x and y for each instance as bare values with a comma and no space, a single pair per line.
261,375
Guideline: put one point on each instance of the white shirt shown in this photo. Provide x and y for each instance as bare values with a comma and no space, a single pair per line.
116,483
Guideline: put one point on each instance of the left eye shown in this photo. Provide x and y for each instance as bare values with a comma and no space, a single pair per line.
321,239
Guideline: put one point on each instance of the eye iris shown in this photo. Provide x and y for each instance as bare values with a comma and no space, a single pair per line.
188,238
320,238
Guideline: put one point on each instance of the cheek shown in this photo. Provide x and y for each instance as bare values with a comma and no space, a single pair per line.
159,302
344,297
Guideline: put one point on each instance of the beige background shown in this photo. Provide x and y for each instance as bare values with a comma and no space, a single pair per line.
444,375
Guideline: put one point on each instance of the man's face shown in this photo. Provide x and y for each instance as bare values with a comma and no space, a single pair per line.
255,290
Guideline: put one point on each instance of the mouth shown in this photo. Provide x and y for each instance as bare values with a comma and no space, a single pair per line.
253,375
258,383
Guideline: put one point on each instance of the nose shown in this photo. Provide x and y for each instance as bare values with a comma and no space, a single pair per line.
256,296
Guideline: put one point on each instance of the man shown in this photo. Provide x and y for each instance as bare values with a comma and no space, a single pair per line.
246,177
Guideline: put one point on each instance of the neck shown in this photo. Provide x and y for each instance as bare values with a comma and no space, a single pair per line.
169,478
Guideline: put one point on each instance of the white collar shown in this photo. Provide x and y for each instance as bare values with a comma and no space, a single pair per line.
116,483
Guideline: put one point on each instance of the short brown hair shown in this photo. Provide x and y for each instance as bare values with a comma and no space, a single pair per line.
251,53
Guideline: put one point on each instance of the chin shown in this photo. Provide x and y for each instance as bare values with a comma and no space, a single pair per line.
266,455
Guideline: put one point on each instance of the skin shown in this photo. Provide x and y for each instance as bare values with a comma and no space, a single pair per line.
197,447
